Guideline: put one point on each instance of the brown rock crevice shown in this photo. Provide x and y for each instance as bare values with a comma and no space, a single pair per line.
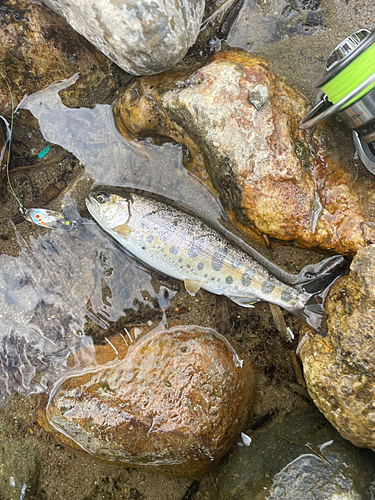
38,48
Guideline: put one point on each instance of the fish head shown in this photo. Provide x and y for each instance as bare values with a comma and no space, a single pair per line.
109,210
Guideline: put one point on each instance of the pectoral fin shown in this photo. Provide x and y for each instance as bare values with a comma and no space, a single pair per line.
192,286
245,301
123,230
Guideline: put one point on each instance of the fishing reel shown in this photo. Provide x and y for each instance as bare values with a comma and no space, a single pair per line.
348,88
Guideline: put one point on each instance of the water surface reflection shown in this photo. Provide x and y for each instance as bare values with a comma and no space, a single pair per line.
62,279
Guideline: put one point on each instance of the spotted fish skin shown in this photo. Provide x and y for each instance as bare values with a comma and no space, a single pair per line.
185,247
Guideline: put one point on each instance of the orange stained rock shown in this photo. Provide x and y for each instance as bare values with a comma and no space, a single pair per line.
270,176
339,369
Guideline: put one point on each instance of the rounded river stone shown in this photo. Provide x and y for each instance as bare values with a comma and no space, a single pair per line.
142,36
174,403
340,368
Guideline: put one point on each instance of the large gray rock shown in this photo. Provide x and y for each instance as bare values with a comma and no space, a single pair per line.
142,36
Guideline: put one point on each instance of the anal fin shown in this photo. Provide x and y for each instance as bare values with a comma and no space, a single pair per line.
192,286
245,301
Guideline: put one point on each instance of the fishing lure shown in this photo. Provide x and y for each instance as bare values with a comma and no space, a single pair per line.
39,216
47,218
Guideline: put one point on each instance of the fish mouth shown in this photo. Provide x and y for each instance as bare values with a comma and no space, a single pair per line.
89,199
90,203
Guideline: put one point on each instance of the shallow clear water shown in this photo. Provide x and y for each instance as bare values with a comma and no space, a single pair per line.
62,279
91,135
48,293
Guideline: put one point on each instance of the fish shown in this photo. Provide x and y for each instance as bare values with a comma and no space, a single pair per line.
180,244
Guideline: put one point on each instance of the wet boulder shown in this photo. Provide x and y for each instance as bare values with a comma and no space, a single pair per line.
340,368
142,37
174,402
240,124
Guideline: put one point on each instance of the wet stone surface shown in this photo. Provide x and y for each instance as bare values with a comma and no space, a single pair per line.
38,48
339,368
300,454
271,176
174,403
142,37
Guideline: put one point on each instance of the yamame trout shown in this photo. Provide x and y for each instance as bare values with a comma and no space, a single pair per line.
188,248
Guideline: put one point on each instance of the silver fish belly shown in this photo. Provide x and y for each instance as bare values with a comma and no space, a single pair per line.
185,247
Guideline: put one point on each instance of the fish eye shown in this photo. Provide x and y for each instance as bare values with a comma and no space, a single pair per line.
101,198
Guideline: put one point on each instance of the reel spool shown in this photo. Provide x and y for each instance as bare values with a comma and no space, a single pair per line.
348,88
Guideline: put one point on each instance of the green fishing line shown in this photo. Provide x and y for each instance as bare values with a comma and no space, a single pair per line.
40,216
10,141
351,76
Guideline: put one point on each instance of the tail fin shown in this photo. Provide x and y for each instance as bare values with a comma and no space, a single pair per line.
318,286
313,312
315,277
